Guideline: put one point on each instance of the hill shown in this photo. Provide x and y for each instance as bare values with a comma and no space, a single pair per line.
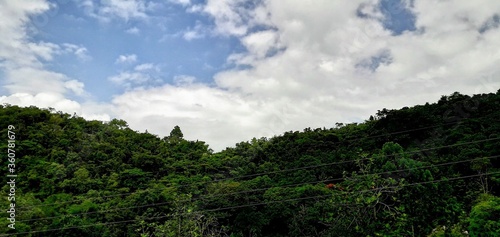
431,169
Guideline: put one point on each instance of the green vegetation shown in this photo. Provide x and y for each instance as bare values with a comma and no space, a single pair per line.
428,170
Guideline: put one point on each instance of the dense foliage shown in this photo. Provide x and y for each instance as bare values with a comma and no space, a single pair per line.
428,170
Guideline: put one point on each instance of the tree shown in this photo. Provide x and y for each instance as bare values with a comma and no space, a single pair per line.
176,133
484,218
118,123
184,221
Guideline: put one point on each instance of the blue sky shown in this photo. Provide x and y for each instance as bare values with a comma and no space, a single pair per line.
229,70
158,40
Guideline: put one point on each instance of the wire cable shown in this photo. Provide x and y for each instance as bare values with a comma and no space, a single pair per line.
356,139
256,190
245,205
271,172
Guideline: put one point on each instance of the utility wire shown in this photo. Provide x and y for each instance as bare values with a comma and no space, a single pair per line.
245,205
266,173
256,190
351,140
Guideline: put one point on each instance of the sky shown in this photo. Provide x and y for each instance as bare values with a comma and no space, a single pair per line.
226,71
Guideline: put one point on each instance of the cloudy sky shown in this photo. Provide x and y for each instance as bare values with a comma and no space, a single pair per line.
229,70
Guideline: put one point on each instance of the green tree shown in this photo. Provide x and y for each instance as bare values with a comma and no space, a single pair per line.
484,218
176,133
185,220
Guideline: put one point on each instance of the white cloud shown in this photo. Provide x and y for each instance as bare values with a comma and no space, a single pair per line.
42,100
145,67
133,31
324,44
23,59
328,68
142,74
34,80
220,117
97,111
181,2
117,9
129,58
310,65
88,110
183,80
43,50
25,77
75,86
197,109
461,15
371,9
199,31
129,77
233,17
192,34
258,44
80,52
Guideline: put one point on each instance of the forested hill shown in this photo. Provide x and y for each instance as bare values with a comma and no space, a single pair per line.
427,170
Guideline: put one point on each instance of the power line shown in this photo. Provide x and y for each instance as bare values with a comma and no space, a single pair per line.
272,172
410,130
248,205
351,140
261,189
147,190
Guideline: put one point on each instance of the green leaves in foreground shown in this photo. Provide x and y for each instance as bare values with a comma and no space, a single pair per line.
485,217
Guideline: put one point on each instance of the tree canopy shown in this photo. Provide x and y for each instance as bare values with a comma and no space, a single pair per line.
426,170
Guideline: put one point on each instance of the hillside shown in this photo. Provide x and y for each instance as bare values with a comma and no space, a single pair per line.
406,172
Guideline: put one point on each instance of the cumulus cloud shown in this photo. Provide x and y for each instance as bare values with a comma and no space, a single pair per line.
304,65
311,65
233,17
323,51
259,45
33,80
195,33
117,9
129,78
43,100
141,75
190,33
133,31
182,80
97,111
145,67
202,112
25,77
129,58
23,59
88,110
181,2
79,51
75,86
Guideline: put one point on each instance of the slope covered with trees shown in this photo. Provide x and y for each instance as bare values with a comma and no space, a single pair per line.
428,170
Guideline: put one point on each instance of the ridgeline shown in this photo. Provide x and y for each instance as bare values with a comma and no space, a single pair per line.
427,170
